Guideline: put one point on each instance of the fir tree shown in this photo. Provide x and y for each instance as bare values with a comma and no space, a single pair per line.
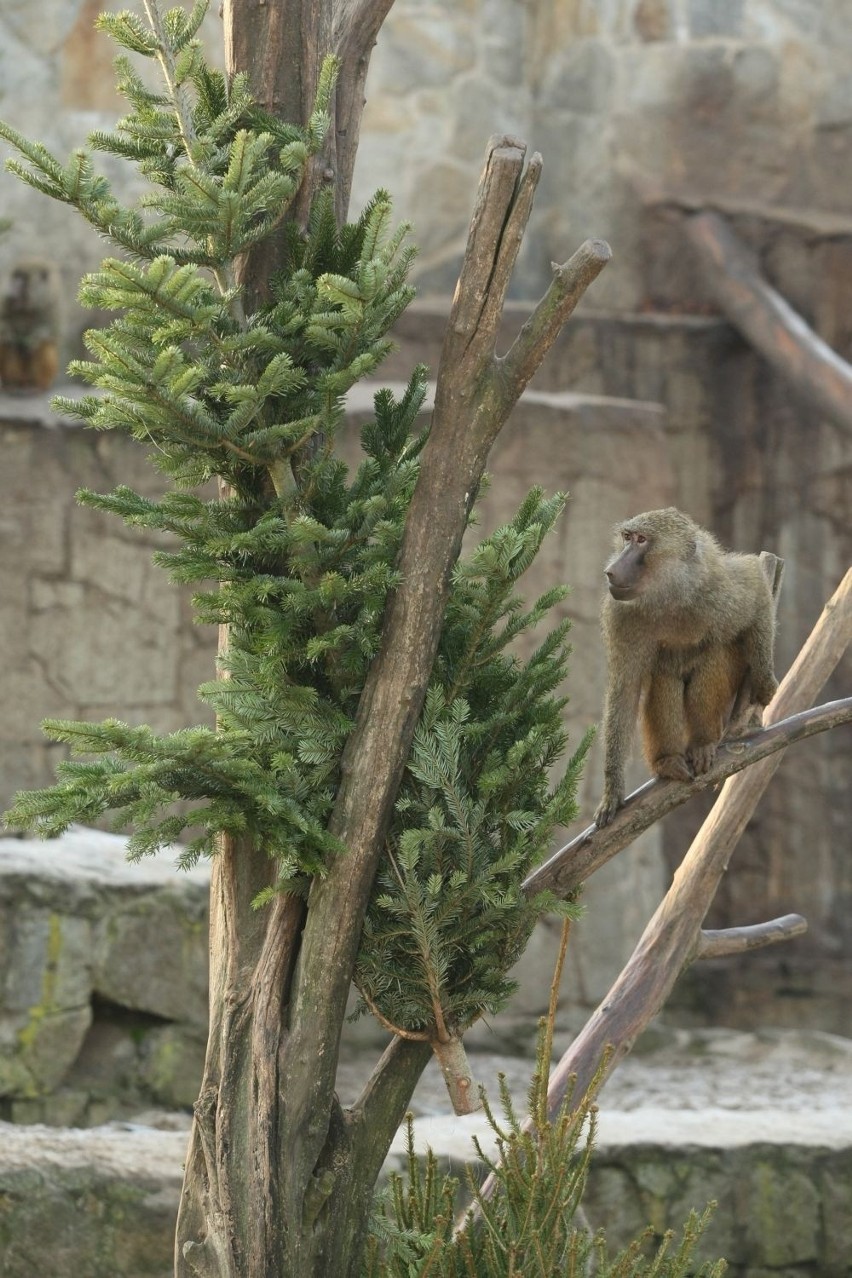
297,556
298,561
302,555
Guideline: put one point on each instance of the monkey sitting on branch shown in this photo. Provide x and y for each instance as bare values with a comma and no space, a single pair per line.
29,327
684,624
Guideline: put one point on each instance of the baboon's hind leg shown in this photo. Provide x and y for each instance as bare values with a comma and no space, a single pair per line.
664,728
709,698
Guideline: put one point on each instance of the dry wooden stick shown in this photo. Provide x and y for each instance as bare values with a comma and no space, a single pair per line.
714,943
671,939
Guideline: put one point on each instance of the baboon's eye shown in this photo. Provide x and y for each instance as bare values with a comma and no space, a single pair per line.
640,540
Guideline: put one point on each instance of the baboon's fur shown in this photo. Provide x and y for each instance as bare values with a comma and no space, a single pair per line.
691,622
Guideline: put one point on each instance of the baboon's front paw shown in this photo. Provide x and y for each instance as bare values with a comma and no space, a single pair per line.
607,809
672,767
701,758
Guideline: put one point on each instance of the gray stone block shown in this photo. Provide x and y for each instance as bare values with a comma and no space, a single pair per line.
100,1203
100,960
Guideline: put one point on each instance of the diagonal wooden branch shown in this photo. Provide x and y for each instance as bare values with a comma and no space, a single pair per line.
768,322
568,868
470,409
385,1099
569,283
669,941
714,943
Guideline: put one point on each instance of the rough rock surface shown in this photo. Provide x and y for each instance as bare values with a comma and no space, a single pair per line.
700,100
103,978
88,1204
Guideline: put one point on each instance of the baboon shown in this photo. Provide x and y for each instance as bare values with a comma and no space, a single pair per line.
29,327
683,624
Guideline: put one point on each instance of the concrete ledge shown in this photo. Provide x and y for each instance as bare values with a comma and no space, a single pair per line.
451,1137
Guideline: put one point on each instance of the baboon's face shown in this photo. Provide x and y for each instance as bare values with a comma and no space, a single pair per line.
626,571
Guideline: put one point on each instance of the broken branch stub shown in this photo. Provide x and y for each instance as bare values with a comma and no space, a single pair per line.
713,943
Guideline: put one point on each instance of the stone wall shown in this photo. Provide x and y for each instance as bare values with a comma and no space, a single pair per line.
103,1202
103,980
744,103
696,100
90,628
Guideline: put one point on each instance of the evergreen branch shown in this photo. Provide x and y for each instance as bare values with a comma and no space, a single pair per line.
164,49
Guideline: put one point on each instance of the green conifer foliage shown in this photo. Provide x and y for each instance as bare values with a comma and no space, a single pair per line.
476,811
531,1225
297,556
